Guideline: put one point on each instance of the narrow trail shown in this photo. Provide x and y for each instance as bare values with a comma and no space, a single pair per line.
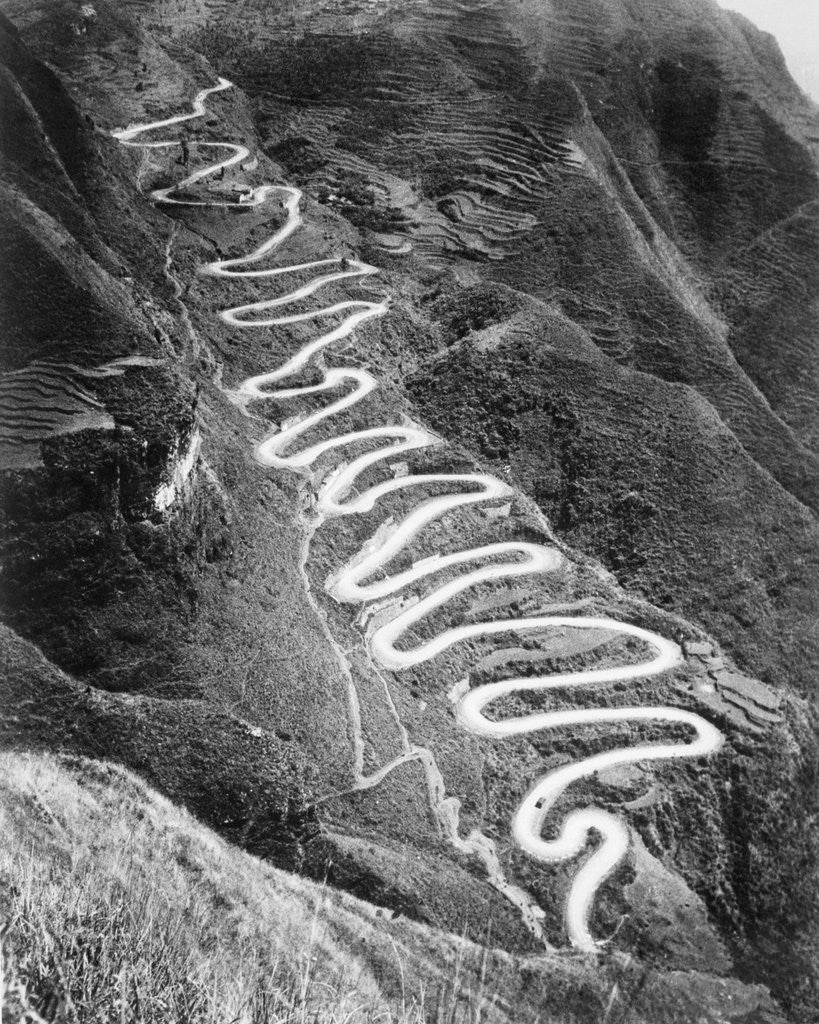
356,582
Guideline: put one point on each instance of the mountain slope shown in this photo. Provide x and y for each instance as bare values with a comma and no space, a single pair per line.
452,163
108,862
544,320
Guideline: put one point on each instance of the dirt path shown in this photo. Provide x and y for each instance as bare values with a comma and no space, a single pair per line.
354,582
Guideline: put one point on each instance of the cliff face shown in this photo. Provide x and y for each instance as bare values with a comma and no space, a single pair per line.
595,224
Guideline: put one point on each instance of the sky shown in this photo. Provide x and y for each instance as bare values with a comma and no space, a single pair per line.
795,23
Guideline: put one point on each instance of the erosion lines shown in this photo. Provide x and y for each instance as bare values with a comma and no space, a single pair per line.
366,578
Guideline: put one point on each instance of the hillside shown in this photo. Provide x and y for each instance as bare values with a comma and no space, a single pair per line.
471,366
144,878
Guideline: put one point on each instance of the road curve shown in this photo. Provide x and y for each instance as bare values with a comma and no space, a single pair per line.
365,577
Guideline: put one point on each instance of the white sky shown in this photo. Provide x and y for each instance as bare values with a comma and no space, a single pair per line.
795,23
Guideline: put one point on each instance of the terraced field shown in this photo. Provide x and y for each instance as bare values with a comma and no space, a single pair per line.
45,400
437,113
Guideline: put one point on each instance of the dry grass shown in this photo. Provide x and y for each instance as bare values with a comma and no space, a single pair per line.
112,952
118,907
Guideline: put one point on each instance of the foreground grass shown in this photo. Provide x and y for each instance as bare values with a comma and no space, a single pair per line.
116,906
95,949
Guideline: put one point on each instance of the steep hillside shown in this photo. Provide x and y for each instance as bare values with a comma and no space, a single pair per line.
441,130
553,267
185,925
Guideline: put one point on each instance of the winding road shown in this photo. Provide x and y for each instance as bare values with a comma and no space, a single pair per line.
365,578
